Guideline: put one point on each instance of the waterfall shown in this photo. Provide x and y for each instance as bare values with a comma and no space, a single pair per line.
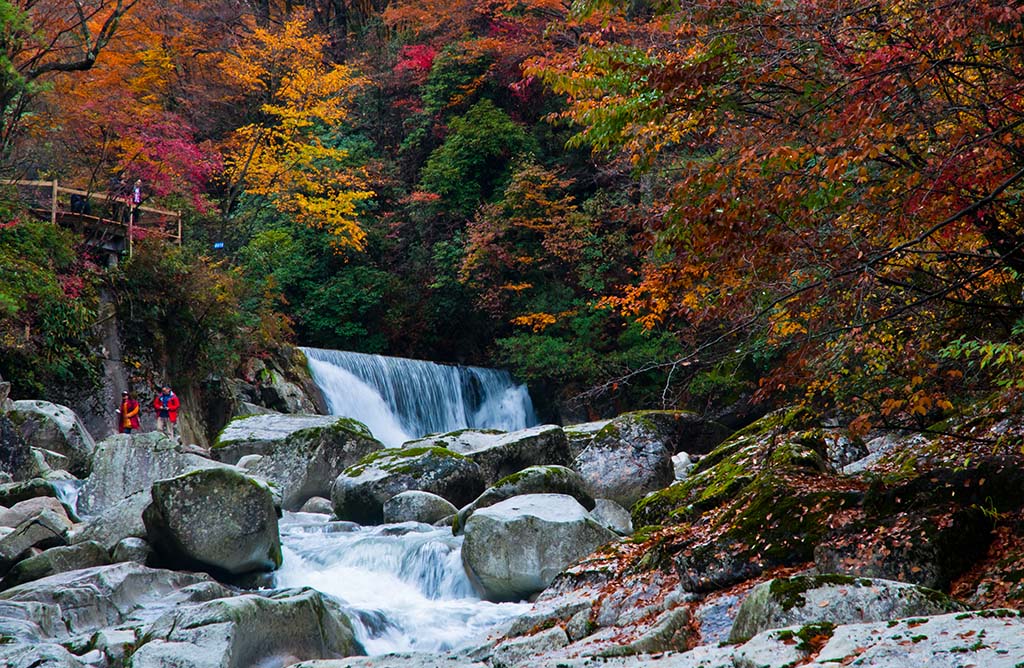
402,399
403,585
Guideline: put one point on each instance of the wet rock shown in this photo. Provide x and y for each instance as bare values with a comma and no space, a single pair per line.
125,464
516,548
55,428
531,480
628,458
317,504
56,560
808,599
417,506
214,519
249,630
360,492
501,454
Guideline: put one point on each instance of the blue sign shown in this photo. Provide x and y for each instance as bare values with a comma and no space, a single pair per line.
218,244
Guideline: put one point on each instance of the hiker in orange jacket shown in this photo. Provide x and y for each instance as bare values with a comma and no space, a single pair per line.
127,414
166,406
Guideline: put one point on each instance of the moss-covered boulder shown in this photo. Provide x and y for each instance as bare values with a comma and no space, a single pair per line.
126,464
760,500
306,462
531,480
218,520
516,548
417,506
260,434
629,457
55,428
500,454
837,599
359,493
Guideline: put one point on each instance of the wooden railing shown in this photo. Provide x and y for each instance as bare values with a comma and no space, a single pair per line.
124,220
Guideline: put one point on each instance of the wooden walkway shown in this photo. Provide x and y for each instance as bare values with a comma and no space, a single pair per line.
116,227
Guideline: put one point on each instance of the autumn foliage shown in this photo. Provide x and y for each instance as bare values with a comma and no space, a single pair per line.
627,203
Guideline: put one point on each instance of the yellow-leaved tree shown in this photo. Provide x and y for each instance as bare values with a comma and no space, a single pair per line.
296,97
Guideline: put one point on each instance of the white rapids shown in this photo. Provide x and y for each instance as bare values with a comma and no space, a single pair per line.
404,584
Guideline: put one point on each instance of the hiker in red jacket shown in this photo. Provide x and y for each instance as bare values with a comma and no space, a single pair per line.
127,414
166,406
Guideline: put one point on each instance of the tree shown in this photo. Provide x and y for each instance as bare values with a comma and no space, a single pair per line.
281,154
42,38
834,178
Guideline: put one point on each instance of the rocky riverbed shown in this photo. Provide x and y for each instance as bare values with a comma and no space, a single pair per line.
654,539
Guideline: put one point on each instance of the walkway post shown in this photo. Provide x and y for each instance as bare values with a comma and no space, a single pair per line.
131,223
53,203
179,227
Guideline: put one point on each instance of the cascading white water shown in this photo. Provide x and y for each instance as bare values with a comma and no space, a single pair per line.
402,399
404,585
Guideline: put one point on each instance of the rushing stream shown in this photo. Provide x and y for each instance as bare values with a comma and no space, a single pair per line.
404,583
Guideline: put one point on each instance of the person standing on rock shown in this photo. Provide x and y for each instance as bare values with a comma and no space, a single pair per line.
128,414
166,406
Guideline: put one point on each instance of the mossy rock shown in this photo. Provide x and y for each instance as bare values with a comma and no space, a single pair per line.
360,491
834,599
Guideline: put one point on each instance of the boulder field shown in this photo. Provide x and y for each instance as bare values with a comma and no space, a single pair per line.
655,539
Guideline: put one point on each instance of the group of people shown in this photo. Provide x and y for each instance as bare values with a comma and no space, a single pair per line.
165,405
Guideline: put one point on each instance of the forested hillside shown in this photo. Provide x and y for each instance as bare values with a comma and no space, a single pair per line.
627,204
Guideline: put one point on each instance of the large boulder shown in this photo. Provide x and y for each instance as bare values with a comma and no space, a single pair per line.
219,520
249,630
17,461
515,548
86,600
42,531
359,493
305,463
628,458
837,599
55,428
417,506
501,454
259,434
531,480
125,464
761,500
115,523
56,560
23,510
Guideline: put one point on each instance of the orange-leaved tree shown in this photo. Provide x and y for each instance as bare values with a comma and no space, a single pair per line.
296,97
